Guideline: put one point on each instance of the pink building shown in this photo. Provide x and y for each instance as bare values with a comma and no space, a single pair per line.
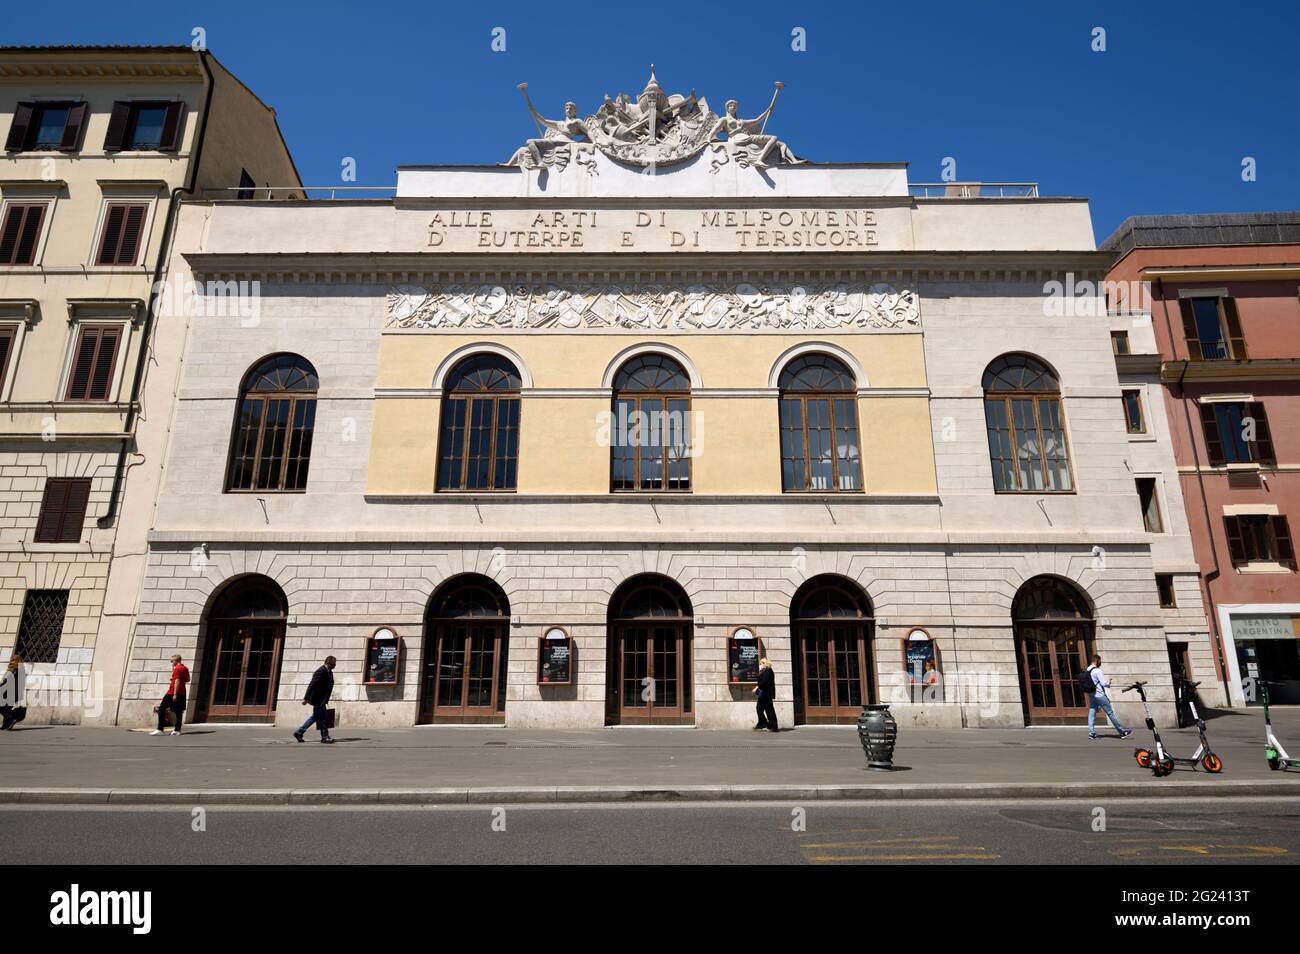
1225,312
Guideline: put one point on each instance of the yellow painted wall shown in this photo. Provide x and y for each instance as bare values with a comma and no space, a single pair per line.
897,449
562,449
739,446
404,446
579,361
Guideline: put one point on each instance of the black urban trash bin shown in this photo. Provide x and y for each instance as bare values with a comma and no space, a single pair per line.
877,731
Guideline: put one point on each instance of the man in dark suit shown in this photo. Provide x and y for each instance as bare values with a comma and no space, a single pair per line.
766,692
318,697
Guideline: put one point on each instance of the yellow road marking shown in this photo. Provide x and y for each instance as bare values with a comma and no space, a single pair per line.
977,856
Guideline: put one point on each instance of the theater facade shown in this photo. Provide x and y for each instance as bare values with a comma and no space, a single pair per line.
570,441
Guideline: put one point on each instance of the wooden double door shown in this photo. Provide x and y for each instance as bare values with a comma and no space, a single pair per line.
832,670
650,673
243,666
1051,657
464,672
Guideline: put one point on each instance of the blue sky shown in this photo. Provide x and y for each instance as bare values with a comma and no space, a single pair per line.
1158,123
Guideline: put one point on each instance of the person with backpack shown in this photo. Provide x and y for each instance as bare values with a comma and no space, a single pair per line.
1094,682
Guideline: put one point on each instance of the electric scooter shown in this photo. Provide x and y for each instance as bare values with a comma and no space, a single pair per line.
1277,757
1160,761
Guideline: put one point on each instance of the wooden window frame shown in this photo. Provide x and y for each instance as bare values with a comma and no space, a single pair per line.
497,399
1243,549
294,397
13,331
665,397
1233,336
70,522
1141,411
830,397
1007,397
27,117
126,115
1261,450
1138,482
81,328
1115,338
142,240
46,207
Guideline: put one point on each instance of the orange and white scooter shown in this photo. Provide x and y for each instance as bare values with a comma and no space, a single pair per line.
1160,761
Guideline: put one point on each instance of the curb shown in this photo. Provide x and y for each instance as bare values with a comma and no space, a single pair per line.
571,794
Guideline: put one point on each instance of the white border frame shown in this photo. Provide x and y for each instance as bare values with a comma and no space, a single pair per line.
69,352
12,195
126,194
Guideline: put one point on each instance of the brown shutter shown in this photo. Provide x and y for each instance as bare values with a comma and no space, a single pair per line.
1236,340
1282,540
105,361
10,232
83,362
25,253
71,141
74,512
112,231
128,247
117,127
171,128
1192,337
53,504
1213,442
1263,449
17,140
1236,546
8,334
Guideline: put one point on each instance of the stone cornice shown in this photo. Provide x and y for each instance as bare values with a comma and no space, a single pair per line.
186,539
407,267
1257,369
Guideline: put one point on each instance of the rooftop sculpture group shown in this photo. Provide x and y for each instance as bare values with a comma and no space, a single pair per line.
651,131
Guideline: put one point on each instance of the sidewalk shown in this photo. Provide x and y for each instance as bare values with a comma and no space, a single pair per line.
445,764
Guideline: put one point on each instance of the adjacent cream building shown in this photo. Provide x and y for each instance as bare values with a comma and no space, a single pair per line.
572,440
101,144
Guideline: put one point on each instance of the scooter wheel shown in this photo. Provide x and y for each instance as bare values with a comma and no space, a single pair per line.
1143,757
1161,769
1212,763
1275,764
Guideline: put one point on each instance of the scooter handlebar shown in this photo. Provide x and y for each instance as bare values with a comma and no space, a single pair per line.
1136,685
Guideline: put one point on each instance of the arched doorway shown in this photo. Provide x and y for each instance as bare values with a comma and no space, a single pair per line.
466,636
649,654
831,631
244,646
1054,640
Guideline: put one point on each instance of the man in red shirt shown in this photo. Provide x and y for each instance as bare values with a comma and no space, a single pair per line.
174,700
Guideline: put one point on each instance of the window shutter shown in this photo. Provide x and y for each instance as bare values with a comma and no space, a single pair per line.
54,504
10,232
8,334
71,141
1236,340
171,130
128,247
18,128
105,361
83,362
112,230
25,253
1263,449
1189,330
1236,546
1282,540
1213,442
117,127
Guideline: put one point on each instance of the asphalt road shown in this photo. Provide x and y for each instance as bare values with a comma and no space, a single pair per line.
1193,831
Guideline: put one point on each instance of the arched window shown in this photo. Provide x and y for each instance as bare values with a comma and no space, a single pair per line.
819,427
242,649
479,447
1054,642
650,436
271,449
1022,409
831,629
